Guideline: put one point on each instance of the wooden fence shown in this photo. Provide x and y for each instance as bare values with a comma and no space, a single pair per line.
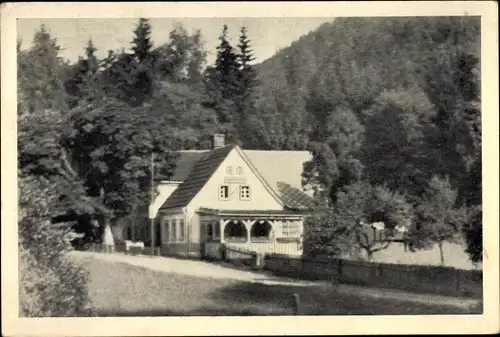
420,279
413,278
120,248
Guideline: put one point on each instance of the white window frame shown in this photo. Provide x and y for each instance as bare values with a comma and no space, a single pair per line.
229,170
172,232
181,227
245,197
220,190
239,170
164,229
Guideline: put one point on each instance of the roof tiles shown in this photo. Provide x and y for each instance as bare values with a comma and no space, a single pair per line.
201,171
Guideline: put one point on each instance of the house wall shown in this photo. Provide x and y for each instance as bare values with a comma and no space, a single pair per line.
174,245
260,197
164,189
208,197
194,231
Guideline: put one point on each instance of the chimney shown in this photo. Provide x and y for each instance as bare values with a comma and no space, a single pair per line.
218,140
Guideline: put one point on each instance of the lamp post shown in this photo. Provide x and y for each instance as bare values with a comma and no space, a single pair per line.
187,221
152,200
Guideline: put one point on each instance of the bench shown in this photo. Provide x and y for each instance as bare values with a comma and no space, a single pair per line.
134,247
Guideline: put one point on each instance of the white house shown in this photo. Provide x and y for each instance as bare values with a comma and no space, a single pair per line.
245,199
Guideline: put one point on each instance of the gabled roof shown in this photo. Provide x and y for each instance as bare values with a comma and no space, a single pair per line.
202,170
280,166
279,171
294,198
185,162
282,170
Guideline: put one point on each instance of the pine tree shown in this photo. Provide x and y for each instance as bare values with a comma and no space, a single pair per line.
83,82
222,86
91,58
248,73
227,67
130,76
142,45
246,98
40,74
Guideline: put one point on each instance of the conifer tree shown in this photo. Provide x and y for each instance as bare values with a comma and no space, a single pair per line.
91,58
222,86
142,45
130,76
40,73
248,73
227,67
246,98
83,82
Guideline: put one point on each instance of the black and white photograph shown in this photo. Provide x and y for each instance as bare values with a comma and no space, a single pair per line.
277,166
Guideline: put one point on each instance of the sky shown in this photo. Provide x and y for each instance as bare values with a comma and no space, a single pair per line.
268,35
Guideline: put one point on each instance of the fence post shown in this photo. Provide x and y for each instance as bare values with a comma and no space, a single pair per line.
339,271
380,270
296,304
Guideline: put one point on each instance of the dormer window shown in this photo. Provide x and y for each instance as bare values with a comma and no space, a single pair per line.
244,192
223,192
239,170
229,170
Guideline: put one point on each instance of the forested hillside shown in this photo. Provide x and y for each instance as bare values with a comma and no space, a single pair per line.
389,107
386,102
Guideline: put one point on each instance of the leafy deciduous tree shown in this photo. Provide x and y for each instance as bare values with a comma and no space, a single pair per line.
436,219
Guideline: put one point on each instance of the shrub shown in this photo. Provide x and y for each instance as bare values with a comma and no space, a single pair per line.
50,283
47,290
473,231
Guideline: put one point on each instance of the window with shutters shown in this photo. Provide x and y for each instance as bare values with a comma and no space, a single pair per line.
223,192
244,192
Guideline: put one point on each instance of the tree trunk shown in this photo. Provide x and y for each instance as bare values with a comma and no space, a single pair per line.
369,255
441,255
366,254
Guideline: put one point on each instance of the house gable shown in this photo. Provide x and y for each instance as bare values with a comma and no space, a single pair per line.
282,171
274,176
237,174
201,172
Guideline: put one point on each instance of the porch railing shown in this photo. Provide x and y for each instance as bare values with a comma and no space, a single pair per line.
292,249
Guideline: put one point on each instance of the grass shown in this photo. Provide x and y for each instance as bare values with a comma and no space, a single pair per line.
124,290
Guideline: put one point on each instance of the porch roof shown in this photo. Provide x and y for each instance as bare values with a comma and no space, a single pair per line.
251,213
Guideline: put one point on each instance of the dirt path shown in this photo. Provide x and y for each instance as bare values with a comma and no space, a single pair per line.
193,268
209,270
